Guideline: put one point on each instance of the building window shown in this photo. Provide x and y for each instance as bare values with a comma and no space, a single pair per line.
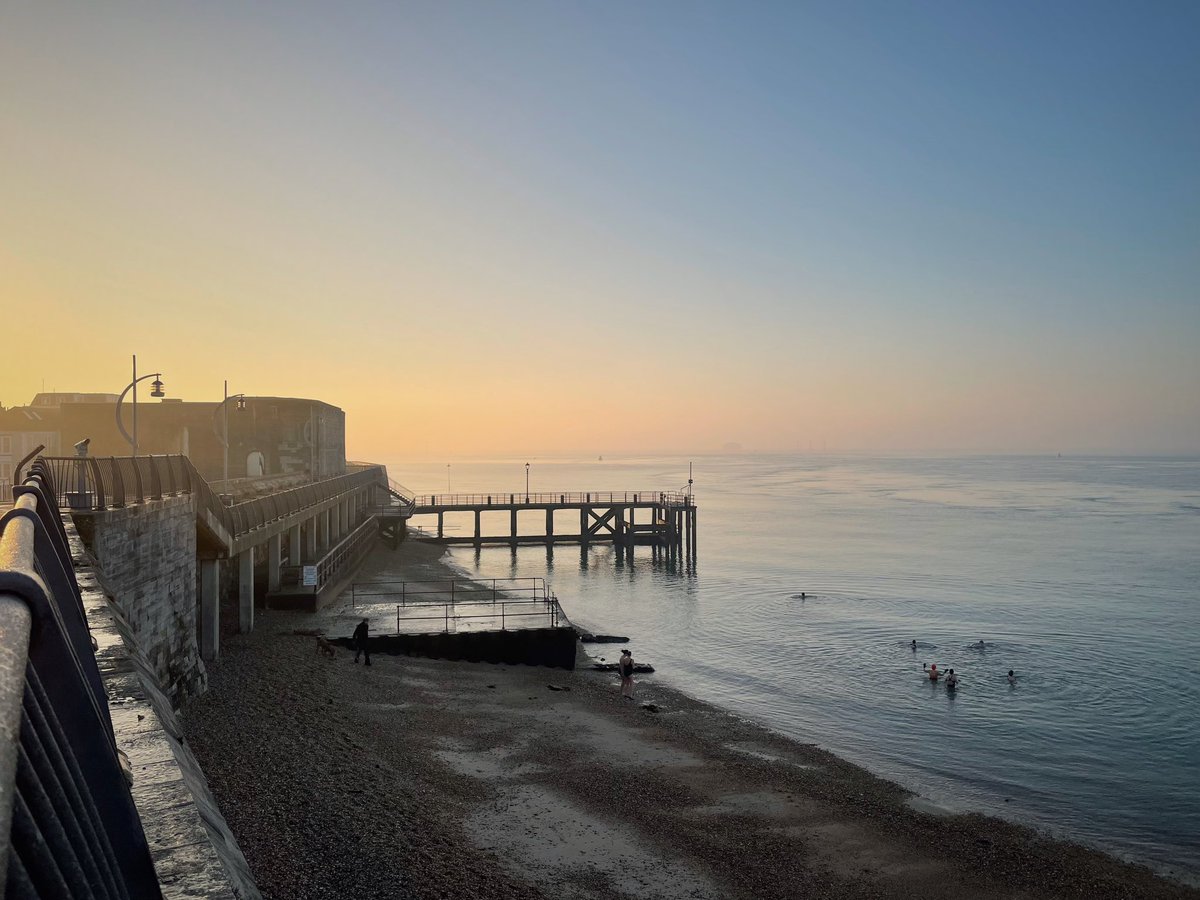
5,444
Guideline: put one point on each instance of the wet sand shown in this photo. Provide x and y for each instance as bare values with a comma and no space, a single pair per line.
433,779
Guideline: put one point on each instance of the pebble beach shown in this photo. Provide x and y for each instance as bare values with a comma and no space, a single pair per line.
426,778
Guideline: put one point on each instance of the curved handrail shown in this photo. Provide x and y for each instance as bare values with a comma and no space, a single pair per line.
104,482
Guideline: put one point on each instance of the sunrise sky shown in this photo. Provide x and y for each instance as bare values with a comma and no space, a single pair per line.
555,227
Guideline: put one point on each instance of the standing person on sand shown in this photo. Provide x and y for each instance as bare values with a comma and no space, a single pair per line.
360,642
625,667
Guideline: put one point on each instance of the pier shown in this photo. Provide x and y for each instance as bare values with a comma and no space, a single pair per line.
664,519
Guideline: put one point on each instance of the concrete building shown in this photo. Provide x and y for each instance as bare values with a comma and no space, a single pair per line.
267,435
22,428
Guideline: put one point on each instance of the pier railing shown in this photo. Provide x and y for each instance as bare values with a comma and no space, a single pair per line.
550,498
67,819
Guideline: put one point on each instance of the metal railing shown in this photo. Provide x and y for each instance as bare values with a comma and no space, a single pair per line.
246,517
450,590
69,823
503,610
98,483
510,498
503,599
346,551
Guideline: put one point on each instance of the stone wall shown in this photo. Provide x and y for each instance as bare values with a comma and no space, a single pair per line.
147,558
195,854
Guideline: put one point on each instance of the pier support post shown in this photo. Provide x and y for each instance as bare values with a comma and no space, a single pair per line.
477,531
210,609
274,561
246,591
310,539
583,526
294,545
549,526
440,522
512,522
323,543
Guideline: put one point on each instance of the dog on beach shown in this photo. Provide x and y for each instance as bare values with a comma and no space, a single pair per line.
323,646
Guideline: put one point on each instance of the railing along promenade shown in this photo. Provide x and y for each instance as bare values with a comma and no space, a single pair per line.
98,483
69,823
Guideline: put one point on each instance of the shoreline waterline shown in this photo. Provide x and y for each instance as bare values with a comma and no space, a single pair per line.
432,558
417,778
1079,574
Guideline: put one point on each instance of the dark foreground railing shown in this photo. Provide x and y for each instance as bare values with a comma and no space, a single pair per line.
68,824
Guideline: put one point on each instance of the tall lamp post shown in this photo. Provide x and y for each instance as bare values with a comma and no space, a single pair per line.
157,391
447,478
526,482
223,435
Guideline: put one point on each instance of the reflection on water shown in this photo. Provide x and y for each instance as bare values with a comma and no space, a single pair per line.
1079,575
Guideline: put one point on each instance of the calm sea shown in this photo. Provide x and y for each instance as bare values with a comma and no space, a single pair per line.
1081,574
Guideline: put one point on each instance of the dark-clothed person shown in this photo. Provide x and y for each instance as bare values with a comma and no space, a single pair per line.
360,642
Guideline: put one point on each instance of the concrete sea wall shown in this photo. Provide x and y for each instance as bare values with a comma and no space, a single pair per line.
553,647
147,557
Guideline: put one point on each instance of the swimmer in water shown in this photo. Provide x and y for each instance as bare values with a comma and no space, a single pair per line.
932,671
951,681
1012,677
914,646
980,646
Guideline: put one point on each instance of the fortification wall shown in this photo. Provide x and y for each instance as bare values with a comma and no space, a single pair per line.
147,559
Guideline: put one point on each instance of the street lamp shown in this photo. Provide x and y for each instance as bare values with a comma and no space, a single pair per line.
157,391
223,436
526,482
447,478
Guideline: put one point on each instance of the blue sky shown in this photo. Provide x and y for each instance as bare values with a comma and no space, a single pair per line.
870,226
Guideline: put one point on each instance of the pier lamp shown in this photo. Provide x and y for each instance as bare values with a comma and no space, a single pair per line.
156,391
526,482
223,434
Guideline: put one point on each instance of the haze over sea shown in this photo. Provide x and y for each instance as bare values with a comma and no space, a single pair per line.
1079,573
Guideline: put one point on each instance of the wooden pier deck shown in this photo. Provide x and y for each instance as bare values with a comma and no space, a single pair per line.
625,518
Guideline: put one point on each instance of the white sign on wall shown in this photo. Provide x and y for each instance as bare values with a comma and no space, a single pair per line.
308,577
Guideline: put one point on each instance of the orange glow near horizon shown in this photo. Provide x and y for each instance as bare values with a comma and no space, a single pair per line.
516,249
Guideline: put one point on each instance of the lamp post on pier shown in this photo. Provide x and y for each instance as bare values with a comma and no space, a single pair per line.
526,482
223,435
157,391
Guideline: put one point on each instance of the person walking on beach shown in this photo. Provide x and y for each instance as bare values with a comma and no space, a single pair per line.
625,667
360,642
